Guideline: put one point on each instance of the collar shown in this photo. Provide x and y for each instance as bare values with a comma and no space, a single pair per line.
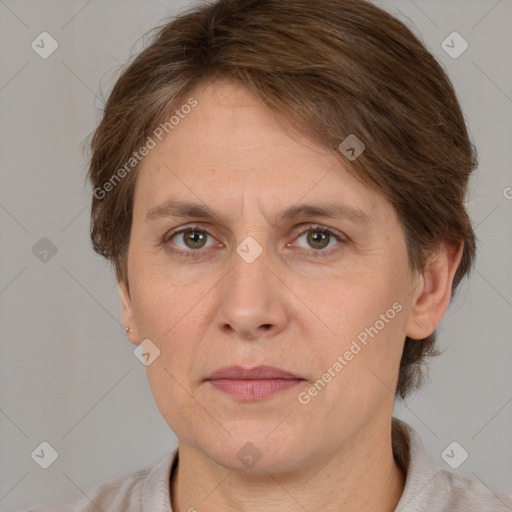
423,476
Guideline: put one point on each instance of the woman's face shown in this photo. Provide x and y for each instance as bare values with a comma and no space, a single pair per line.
324,296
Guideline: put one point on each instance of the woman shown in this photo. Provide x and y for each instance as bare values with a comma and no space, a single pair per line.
280,188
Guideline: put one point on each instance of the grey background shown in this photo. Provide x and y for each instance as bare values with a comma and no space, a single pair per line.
68,375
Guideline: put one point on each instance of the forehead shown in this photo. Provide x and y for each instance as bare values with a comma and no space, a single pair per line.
230,146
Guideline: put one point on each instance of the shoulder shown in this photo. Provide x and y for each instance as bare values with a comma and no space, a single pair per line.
466,493
430,488
128,492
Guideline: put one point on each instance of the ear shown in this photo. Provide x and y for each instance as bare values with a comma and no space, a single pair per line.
127,312
432,297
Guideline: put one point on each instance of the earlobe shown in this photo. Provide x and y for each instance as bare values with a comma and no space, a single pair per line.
127,313
433,295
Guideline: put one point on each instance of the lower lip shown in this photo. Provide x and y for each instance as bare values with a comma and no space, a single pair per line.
256,389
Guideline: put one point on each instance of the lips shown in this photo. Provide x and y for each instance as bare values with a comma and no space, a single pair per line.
254,383
259,372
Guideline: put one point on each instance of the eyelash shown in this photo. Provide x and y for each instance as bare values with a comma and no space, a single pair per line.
198,229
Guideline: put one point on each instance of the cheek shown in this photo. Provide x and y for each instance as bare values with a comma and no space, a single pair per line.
171,319
345,305
158,302
356,374
184,415
174,317
363,318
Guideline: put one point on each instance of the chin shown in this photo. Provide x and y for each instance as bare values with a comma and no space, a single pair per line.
256,452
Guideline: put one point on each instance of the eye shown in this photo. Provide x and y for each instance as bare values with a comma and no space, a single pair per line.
319,237
193,238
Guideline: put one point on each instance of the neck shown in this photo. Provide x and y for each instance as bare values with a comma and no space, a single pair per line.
360,477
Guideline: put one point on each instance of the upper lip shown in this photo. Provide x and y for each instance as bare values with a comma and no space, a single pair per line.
258,372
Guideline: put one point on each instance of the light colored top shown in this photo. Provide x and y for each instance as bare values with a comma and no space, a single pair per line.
428,488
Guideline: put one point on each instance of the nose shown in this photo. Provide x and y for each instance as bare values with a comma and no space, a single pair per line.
253,298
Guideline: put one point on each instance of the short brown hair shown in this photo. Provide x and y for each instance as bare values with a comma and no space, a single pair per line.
336,68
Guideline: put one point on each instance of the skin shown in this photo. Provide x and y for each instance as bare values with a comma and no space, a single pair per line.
287,309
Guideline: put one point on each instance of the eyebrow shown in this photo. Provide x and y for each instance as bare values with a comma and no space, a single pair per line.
177,208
